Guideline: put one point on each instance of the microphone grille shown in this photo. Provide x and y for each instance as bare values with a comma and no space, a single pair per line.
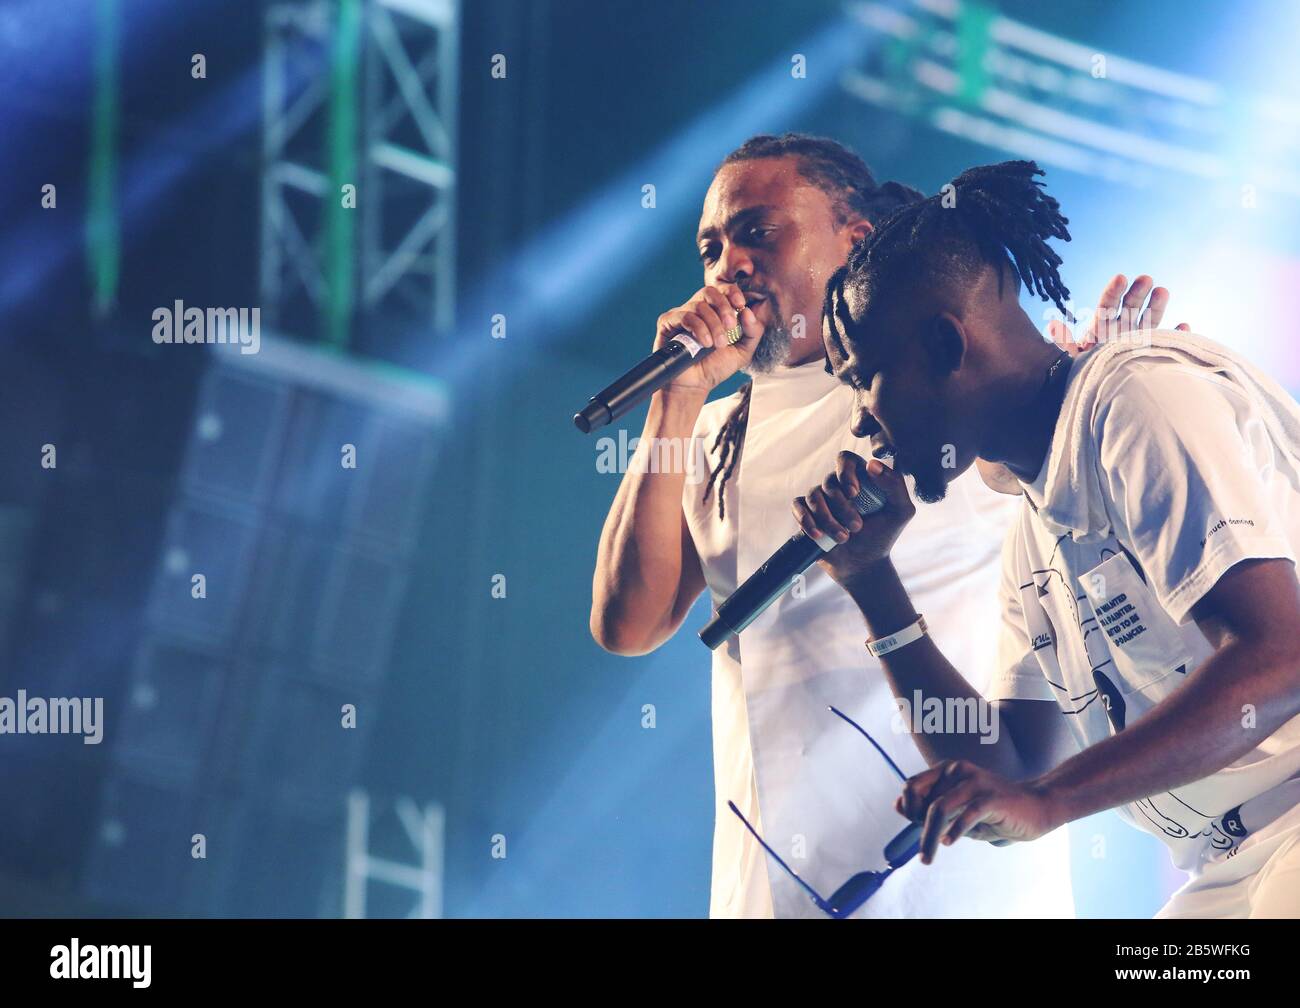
869,500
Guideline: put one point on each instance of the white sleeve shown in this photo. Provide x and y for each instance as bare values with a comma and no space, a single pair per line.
1019,676
1183,456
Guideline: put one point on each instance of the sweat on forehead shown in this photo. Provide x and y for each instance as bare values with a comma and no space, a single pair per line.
775,182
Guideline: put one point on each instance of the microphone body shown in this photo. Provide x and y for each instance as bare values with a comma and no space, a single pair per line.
640,383
766,584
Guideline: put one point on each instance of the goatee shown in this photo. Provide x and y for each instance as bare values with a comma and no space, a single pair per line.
772,352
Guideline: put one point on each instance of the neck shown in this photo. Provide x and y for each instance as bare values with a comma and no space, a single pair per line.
1023,423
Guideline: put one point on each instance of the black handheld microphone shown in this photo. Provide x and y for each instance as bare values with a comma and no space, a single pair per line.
639,384
763,587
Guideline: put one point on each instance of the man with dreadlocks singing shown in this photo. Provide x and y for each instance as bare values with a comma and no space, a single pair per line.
778,219
1150,601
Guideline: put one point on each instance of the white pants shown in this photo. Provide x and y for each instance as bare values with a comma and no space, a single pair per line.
1261,880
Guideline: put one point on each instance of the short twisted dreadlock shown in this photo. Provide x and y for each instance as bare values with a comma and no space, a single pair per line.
854,193
1000,217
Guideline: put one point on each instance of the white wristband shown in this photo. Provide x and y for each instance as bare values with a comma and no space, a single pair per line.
895,641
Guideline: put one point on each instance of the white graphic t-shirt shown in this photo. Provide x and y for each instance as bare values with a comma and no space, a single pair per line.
1183,480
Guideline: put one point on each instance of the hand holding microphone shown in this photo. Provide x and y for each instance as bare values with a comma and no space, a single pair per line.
795,556
864,541
697,346
707,318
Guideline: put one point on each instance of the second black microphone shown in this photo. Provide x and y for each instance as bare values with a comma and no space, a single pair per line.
762,588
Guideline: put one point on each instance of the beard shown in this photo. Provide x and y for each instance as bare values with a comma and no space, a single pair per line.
928,482
772,352
930,489
773,348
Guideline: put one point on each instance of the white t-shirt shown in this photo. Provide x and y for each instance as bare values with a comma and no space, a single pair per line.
812,786
1192,484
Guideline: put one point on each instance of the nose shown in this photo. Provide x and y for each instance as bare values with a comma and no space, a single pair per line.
864,424
734,264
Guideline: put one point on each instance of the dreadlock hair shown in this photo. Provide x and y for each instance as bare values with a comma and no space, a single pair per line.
997,215
854,193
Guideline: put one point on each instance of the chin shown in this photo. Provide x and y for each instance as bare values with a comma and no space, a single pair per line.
772,352
930,487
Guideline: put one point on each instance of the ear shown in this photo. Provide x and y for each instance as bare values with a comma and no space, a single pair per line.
858,229
944,338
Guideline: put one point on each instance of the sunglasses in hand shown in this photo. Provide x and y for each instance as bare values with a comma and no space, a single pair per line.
845,900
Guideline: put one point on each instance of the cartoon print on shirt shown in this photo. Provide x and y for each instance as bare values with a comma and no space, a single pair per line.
1061,602
1047,581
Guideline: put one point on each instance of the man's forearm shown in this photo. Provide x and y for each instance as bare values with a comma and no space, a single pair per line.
639,560
921,667
1229,705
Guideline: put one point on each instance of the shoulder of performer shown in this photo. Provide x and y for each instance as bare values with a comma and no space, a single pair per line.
1147,396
